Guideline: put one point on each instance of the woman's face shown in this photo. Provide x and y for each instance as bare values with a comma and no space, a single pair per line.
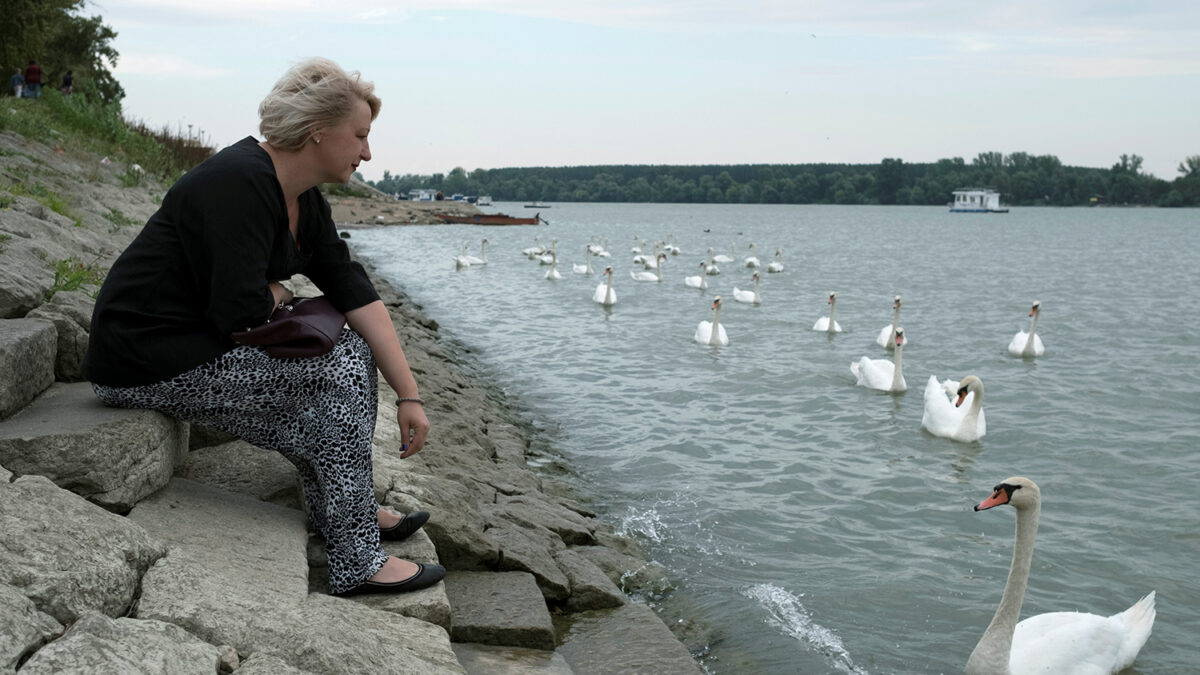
344,145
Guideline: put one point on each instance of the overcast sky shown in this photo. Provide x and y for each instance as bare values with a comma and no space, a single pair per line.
486,84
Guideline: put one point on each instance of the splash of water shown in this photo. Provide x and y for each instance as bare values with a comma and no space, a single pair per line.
789,615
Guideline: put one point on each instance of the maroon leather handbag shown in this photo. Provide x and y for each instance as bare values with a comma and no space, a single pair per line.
301,329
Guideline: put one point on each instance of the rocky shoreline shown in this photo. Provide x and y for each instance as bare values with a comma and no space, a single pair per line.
132,542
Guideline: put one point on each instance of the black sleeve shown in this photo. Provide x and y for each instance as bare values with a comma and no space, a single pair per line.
228,226
341,279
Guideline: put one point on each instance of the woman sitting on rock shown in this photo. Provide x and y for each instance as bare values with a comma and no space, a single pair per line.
208,264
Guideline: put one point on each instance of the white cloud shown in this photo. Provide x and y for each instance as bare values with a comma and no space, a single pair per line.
166,65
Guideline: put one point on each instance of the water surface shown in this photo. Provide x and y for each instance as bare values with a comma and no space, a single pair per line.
813,525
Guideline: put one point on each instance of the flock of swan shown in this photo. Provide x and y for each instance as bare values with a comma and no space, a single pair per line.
1056,642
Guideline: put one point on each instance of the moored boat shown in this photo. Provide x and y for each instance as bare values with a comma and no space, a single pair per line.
488,219
976,200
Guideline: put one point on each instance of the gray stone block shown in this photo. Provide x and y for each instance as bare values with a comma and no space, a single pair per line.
69,556
629,639
24,281
27,348
98,644
494,660
629,573
237,574
24,628
71,346
531,549
246,469
230,557
111,456
590,587
531,510
499,608
265,664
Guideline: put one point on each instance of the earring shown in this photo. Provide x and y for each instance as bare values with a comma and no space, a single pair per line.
316,140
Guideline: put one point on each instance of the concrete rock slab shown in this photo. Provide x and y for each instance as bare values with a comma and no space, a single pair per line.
230,557
531,549
110,456
98,644
27,348
23,629
590,587
71,345
499,608
530,511
629,573
265,664
630,639
493,660
69,556
238,466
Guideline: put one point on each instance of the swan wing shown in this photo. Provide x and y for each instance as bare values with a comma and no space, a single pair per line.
1082,643
885,334
703,332
1018,343
941,418
742,296
821,324
775,267
721,337
874,373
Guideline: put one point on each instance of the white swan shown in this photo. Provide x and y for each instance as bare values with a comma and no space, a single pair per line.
482,259
887,334
462,261
882,374
722,258
553,274
549,255
827,323
752,259
1067,643
1028,344
697,281
534,251
710,268
656,275
587,267
605,295
712,332
751,297
952,420
776,265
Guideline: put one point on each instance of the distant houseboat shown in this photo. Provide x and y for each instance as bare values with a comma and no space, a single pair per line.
976,200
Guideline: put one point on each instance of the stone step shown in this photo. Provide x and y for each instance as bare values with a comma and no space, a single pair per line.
499,608
27,352
236,573
629,639
111,456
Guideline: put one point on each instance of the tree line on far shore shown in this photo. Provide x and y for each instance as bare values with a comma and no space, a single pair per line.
1022,179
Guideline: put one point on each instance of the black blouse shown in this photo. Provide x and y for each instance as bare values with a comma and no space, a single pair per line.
199,270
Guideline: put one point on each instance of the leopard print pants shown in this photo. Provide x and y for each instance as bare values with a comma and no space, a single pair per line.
317,412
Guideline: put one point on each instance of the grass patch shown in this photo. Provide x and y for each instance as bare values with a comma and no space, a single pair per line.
76,122
71,274
3,240
47,198
119,219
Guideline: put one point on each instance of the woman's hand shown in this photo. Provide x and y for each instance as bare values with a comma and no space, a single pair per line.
414,427
281,294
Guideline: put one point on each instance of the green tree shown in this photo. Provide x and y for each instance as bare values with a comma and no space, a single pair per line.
1190,167
889,180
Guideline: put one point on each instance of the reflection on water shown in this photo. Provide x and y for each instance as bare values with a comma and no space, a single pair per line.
814,525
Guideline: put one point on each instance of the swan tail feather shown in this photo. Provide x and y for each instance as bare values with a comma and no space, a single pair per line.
1138,620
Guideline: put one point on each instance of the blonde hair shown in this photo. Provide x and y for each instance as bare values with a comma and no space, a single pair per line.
312,94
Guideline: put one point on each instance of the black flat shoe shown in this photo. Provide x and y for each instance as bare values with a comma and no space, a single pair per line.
426,576
404,529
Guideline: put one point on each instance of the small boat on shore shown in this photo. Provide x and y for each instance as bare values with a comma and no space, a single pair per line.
489,219
537,205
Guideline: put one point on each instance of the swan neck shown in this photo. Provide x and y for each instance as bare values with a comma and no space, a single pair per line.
1032,329
996,644
897,376
832,305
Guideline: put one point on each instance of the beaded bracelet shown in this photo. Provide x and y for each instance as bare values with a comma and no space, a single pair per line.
413,399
